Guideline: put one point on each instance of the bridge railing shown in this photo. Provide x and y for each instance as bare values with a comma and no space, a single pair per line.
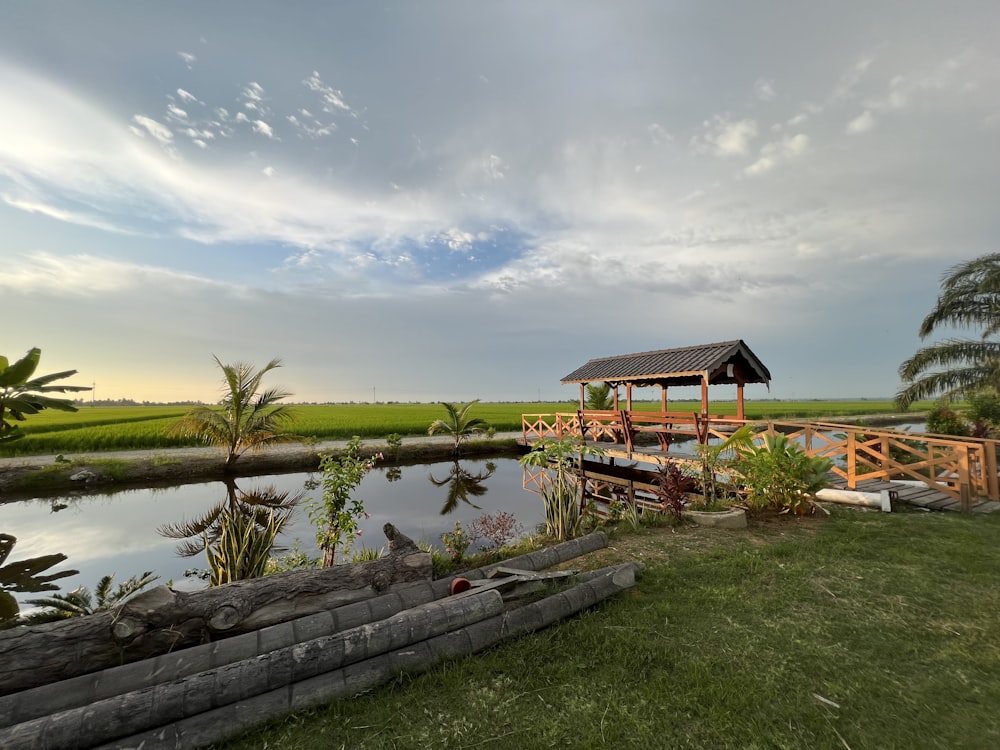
963,468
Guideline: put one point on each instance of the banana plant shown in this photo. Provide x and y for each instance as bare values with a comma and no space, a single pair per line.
22,395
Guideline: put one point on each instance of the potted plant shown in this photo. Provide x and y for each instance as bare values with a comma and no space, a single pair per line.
718,460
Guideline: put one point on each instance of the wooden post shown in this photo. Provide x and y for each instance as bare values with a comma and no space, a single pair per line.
583,400
704,394
616,396
628,396
663,399
740,414
852,460
964,483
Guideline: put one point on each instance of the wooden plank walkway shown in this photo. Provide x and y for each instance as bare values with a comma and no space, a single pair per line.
918,496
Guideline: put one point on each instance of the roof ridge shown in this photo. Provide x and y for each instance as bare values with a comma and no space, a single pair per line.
673,349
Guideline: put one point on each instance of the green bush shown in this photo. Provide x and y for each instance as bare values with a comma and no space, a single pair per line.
942,420
780,474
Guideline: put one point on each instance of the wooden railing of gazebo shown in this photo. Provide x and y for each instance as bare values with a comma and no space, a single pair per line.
964,468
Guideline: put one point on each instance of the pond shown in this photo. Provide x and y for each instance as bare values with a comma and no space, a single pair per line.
117,533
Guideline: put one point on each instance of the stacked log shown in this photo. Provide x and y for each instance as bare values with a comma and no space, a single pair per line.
202,694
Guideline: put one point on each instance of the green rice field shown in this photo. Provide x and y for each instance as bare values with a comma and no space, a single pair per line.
110,428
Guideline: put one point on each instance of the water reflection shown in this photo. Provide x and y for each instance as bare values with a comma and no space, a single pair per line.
463,483
238,533
25,576
117,532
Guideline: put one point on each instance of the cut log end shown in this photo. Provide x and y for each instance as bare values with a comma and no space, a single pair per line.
399,543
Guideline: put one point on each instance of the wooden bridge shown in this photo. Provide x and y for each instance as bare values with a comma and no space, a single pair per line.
939,472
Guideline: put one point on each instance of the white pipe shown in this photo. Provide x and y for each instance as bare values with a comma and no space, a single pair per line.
878,500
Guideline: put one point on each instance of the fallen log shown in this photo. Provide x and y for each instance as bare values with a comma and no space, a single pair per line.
139,710
219,723
91,687
163,620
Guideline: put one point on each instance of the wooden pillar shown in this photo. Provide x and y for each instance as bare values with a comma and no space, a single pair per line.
616,396
663,398
704,393
583,400
739,401
628,396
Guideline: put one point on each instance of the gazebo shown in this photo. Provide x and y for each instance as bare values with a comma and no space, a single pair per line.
724,363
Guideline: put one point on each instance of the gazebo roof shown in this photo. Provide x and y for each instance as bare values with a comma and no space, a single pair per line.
724,362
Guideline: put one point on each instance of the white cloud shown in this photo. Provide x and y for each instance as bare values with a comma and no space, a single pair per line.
763,89
458,240
658,134
332,99
186,96
861,124
176,113
774,153
148,126
86,275
188,58
725,138
495,167
259,126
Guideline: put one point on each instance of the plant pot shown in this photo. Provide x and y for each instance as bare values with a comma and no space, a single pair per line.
731,518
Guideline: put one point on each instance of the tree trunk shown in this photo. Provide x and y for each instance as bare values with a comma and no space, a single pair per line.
163,620
225,721
140,710
96,686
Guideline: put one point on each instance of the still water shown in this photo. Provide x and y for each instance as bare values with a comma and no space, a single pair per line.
104,534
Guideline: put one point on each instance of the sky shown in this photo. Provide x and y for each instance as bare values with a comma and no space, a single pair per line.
445,200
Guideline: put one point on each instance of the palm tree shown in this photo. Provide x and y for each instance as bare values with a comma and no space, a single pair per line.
970,298
599,397
80,601
248,419
21,395
459,424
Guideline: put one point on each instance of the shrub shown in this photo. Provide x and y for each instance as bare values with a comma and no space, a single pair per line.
457,542
672,486
943,420
779,473
499,529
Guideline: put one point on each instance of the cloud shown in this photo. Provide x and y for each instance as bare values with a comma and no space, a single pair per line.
86,275
763,89
658,134
861,124
776,152
725,138
148,126
259,126
332,99
186,96
188,58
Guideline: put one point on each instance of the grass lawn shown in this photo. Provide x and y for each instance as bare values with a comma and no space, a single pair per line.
740,639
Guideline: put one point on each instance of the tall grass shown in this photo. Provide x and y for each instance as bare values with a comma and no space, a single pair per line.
108,428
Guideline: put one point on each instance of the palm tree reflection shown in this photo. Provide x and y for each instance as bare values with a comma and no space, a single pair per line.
255,513
463,484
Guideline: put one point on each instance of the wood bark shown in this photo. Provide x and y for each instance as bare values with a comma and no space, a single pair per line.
219,723
89,688
148,708
163,620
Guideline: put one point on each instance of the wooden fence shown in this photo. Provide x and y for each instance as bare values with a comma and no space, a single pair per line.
964,468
